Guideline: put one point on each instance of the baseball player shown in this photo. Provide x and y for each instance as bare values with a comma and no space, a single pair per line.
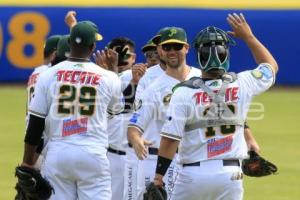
206,117
146,123
150,53
131,165
129,73
49,56
71,102
55,46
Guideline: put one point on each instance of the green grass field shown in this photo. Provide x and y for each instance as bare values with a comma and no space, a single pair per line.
278,135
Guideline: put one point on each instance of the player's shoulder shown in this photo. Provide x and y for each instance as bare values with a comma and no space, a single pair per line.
160,82
40,69
152,90
195,71
127,74
181,94
263,72
101,71
154,69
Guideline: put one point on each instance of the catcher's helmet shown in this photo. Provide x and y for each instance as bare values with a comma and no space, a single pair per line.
212,47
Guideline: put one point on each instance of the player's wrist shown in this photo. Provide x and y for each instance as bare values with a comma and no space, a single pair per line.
24,164
162,165
158,180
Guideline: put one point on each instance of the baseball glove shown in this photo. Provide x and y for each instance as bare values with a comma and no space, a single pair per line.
155,193
257,166
31,185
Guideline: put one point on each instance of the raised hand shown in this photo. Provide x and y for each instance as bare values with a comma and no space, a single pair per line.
70,19
107,59
138,71
239,25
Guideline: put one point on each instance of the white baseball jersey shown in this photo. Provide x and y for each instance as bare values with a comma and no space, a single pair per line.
32,81
74,98
151,74
117,125
189,105
154,102
132,178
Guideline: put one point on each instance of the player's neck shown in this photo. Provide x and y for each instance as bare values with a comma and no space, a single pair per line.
79,56
211,75
179,73
163,65
78,59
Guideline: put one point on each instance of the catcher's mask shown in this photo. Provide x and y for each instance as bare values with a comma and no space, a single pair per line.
212,47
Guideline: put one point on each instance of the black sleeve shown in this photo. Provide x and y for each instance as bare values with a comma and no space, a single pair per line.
34,130
129,97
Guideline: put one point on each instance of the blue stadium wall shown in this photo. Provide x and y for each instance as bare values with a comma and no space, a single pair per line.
23,31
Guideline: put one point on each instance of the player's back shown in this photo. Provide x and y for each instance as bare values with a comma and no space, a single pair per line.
117,124
75,98
214,130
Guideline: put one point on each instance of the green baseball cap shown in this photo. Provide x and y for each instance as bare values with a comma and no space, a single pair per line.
85,33
156,38
51,43
149,46
63,47
173,35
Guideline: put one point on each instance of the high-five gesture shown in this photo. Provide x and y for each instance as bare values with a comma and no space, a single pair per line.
239,25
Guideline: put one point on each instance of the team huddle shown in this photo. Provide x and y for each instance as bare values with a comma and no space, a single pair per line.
120,130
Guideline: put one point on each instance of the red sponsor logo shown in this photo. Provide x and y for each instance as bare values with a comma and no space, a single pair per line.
70,76
32,79
230,95
217,147
71,127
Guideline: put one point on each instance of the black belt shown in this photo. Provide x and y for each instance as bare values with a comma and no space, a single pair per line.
111,150
225,163
151,150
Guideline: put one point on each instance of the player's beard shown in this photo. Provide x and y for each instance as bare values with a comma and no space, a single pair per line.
173,63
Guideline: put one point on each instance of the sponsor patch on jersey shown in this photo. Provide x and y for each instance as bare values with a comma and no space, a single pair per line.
257,74
218,147
77,126
167,99
134,118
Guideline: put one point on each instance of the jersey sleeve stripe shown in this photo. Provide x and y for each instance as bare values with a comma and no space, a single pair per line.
37,114
115,112
137,127
171,136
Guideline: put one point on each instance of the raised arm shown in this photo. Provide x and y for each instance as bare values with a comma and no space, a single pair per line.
241,29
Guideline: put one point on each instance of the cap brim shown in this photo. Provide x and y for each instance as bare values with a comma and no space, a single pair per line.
148,48
156,39
98,37
173,41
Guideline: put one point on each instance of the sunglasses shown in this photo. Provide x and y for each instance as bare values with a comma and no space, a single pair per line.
174,46
206,50
128,55
151,54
